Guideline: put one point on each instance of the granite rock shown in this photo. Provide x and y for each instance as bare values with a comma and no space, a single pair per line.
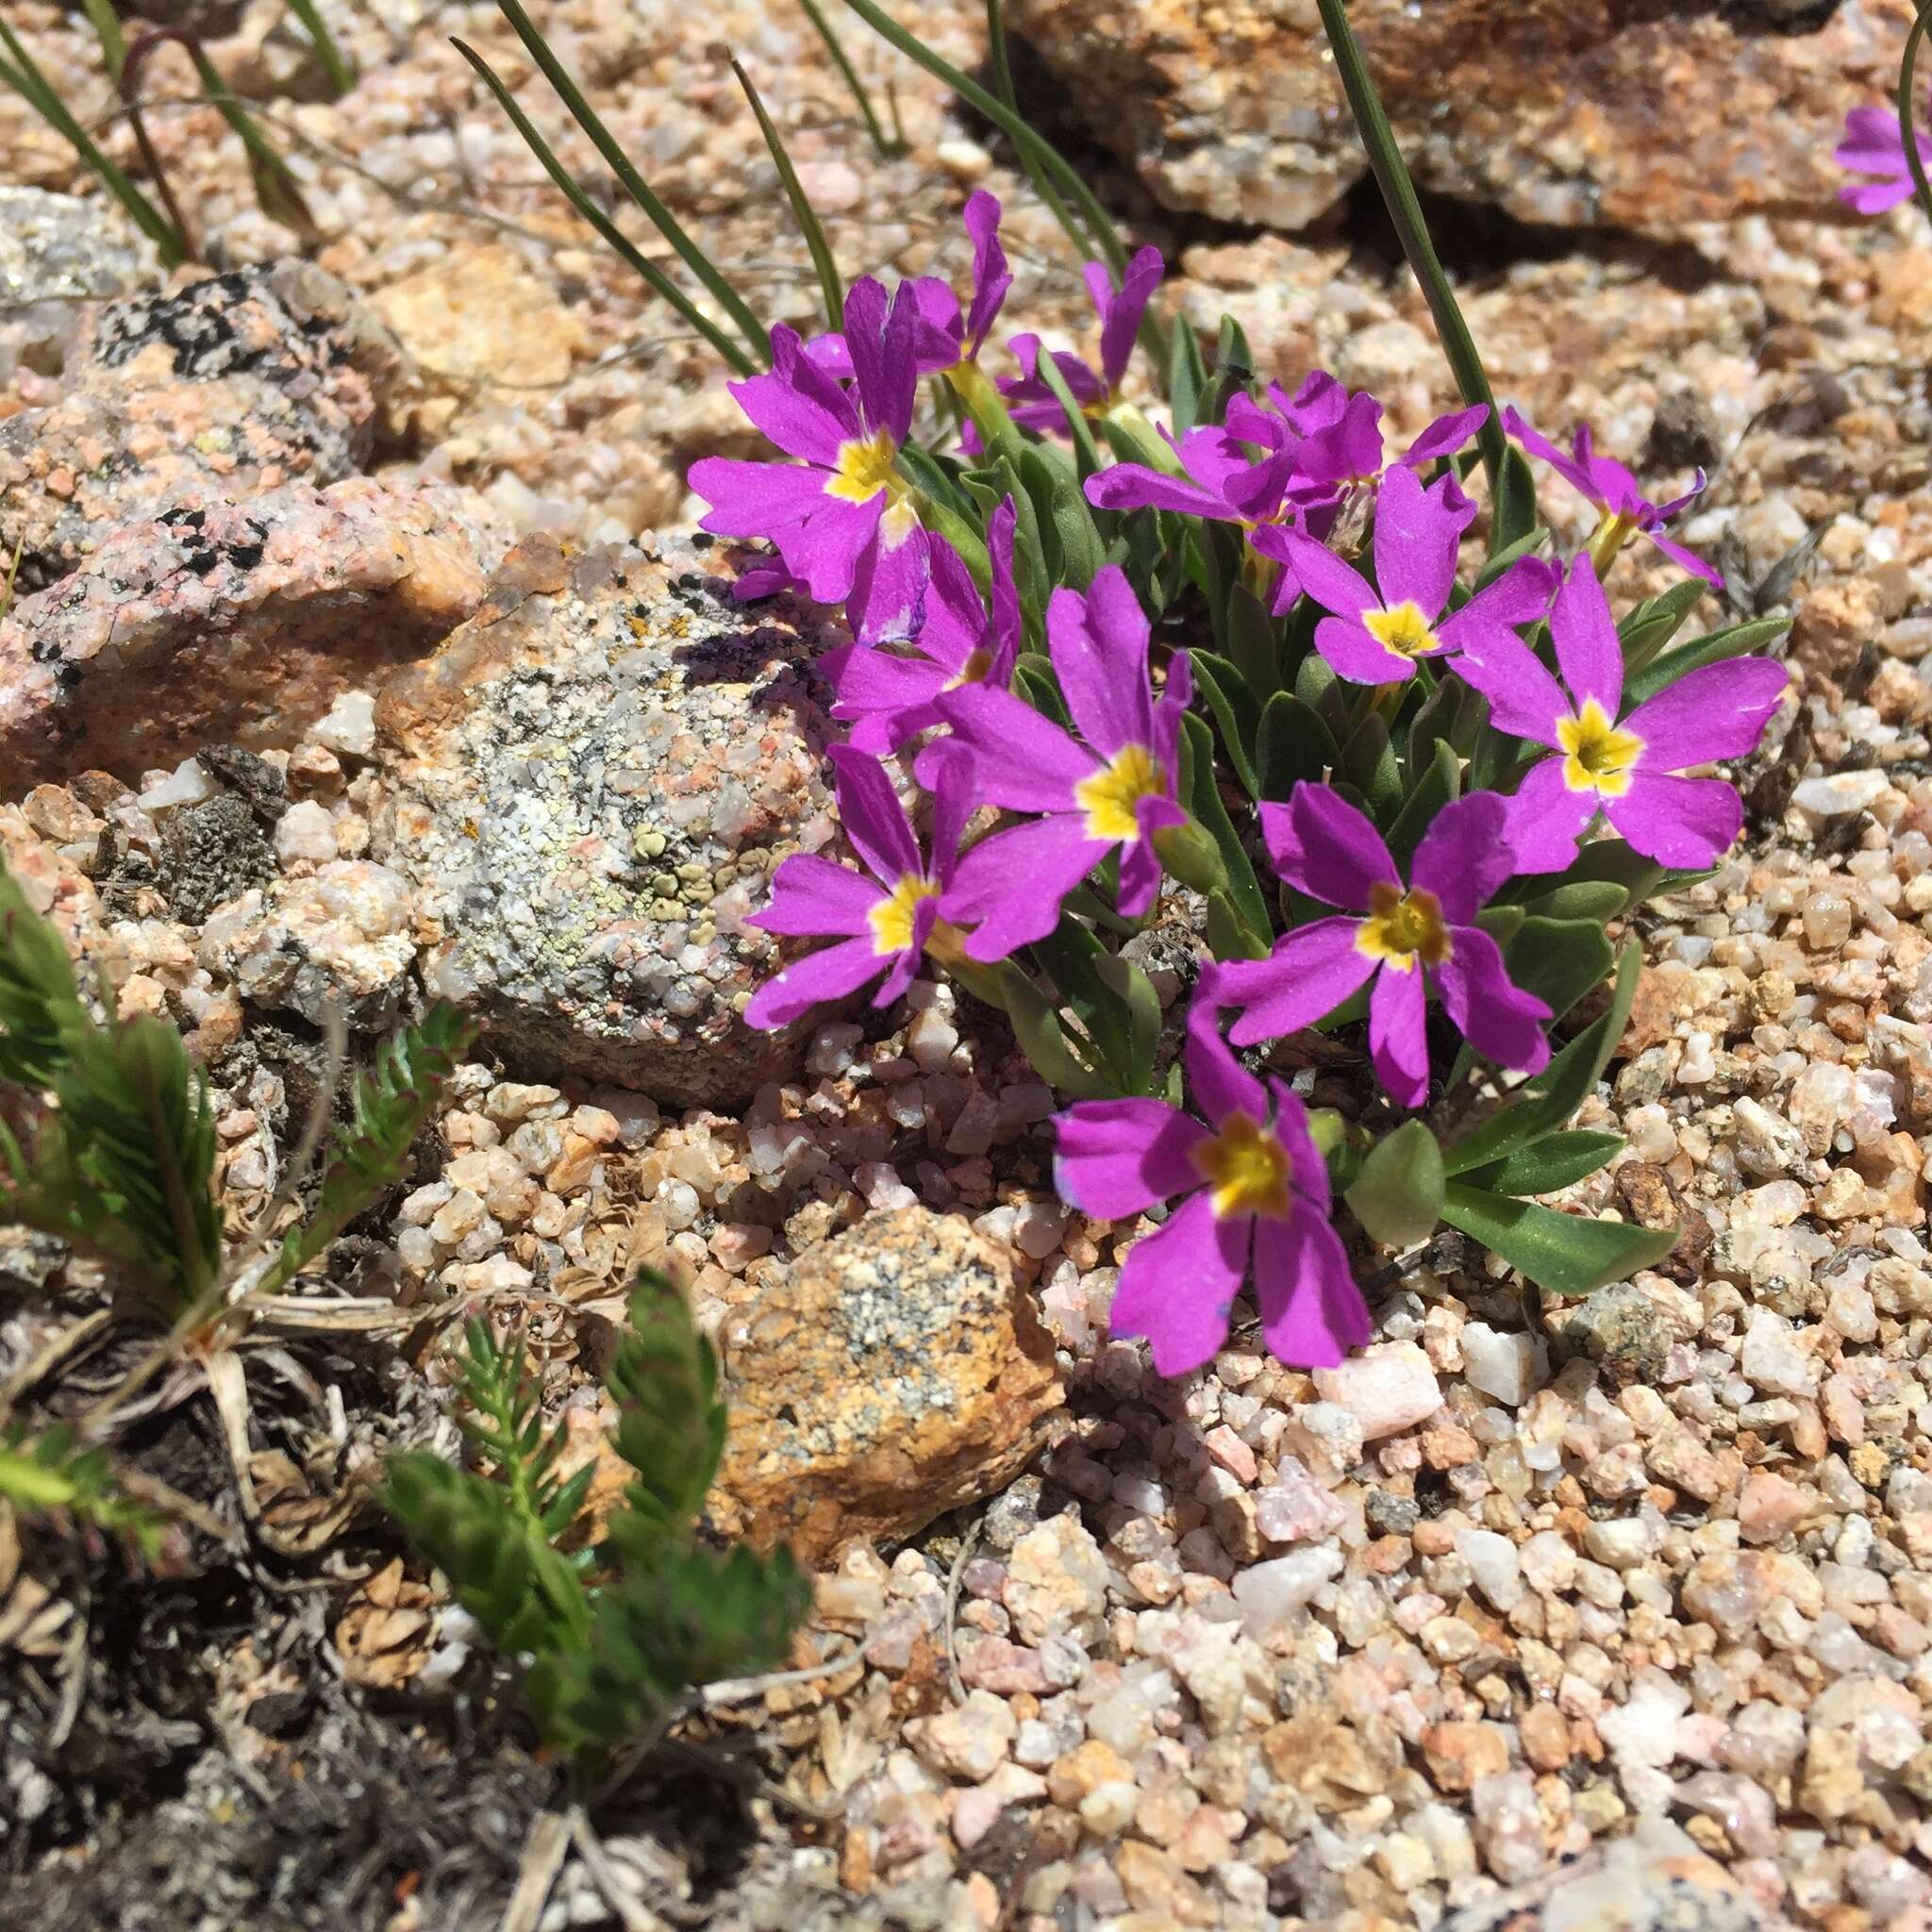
894,1373
589,783
1576,113
58,251
223,389
217,620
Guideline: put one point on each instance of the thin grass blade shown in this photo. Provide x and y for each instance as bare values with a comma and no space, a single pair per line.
803,212
335,63
633,183
888,147
614,236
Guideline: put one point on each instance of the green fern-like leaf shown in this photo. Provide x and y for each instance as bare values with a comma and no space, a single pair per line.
671,1423
41,1007
44,1474
678,1615
391,1101
501,1565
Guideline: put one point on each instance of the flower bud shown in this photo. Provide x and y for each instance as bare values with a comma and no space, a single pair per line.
1188,852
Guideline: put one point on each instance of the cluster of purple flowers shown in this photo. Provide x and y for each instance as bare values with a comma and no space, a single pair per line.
1098,802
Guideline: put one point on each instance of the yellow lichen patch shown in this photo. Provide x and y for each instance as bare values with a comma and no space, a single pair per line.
1403,927
1110,798
1599,756
1248,1169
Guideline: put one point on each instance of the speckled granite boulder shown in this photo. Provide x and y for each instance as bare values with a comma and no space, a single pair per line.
228,387
1582,112
216,621
589,783
58,251
1655,1880
895,1372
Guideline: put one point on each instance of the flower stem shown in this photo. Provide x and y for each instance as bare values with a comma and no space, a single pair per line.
1908,80
1398,194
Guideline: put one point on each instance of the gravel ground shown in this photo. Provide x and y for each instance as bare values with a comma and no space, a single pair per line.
1635,1579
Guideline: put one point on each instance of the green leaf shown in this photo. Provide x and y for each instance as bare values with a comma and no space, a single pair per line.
1647,627
669,1421
1712,648
1499,561
1235,712
1543,1104
1515,510
1078,427
1187,378
1557,1160
391,1102
1439,784
1067,517
1564,1253
1398,1194
1597,900
1368,758
1141,1004
1558,959
1203,798
1293,746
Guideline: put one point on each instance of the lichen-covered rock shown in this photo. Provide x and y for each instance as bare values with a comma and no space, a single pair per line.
589,784
229,622
1582,112
895,1372
224,388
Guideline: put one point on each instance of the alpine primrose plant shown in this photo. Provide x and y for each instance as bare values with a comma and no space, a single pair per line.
1118,635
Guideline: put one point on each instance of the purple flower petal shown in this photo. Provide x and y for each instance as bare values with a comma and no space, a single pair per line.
799,404
880,340
1502,1022
1320,401
756,499
937,331
1309,973
1322,845
813,896
1464,857
888,602
818,979
1525,700
1546,819
886,700
1025,762
874,821
947,771
1117,1158
1309,1172
1519,595
1717,711
1012,884
1678,821
1098,643
1312,1313
1120,314
1689,560
1416,539
1220,1084
1178,1284
1445,436
1334,585
1137,485
1398,1036
1349,448
1589,653
1570,468
991,279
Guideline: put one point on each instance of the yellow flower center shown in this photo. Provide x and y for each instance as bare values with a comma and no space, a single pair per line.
1112,796
864,467
1403,927
1601,756
892,919
1248,1169
1404,630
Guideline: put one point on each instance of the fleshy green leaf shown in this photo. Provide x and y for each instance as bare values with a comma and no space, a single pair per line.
1558,959
1565,1253
1398,1194
1735,640
1557,1160
1293,746
1203,798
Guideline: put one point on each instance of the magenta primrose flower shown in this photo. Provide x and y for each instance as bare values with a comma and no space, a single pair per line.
1407,937
883,923
1028,399
1623,766
1376,636
1343,448
1109,790
886,698
841,517
1874,144
942,338
1256,1204
1612,489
